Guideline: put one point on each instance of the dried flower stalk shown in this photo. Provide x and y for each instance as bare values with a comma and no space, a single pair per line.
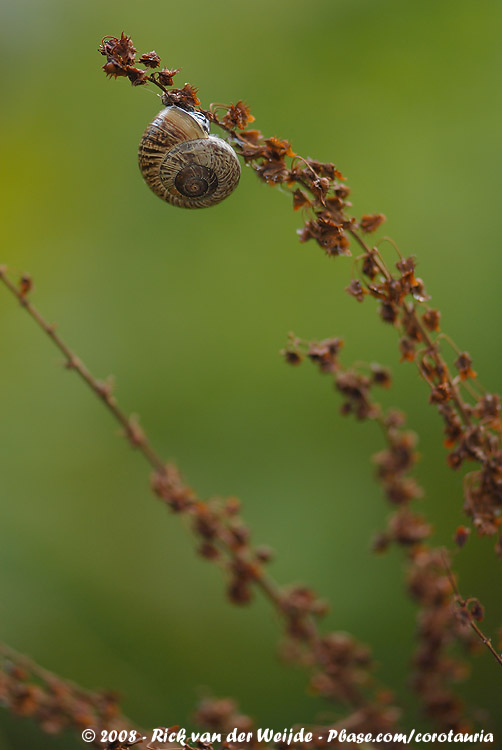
340,667
429,578
31,691
472,424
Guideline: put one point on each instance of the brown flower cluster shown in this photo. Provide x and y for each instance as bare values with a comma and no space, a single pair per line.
238,116
339,666
429,580
222,715
317,187
121,60
472,424
221,533
55,704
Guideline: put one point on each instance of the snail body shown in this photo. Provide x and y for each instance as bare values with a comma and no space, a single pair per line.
183,164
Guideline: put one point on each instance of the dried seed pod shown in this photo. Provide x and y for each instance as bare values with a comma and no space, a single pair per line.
183,164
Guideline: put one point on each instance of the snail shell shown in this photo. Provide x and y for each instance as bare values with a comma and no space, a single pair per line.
183,164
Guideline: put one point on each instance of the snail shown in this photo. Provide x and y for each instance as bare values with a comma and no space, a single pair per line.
183,164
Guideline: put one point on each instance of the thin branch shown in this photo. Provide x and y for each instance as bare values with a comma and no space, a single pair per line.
463,605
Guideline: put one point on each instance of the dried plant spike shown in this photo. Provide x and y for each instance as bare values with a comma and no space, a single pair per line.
223,539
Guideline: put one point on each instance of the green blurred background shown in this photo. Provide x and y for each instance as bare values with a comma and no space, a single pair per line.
189,311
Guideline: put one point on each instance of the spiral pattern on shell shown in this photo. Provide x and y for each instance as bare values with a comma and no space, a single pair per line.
183,164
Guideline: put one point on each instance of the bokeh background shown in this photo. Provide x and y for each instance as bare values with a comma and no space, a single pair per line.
189,311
